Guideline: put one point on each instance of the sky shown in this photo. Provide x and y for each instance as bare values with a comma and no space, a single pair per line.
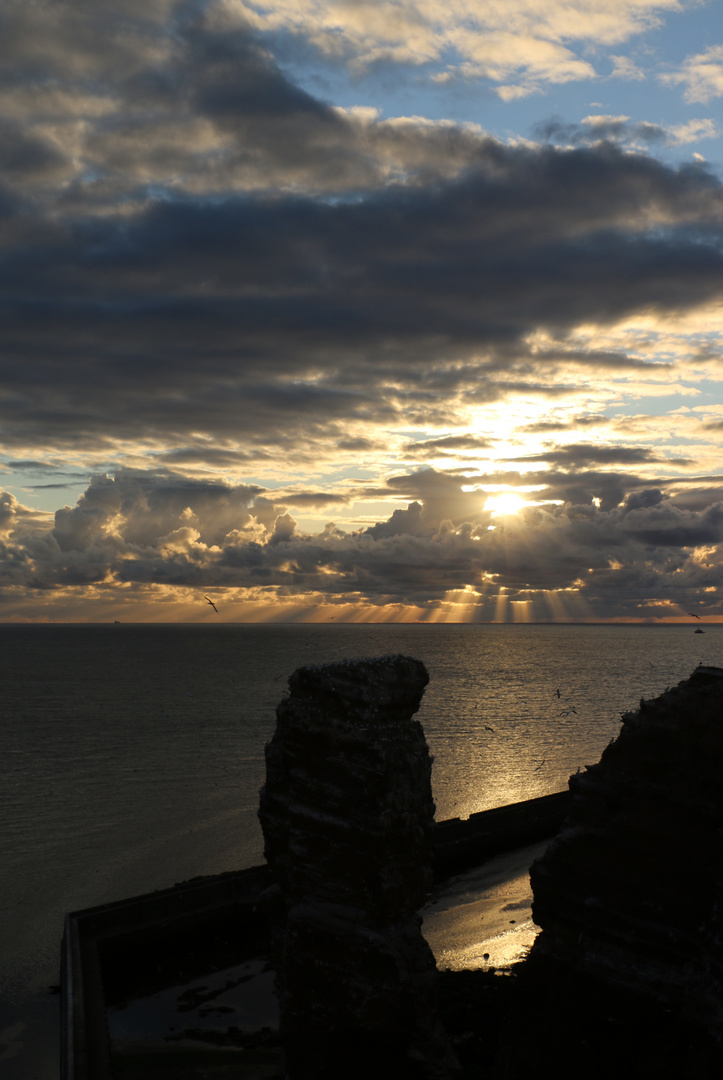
368,311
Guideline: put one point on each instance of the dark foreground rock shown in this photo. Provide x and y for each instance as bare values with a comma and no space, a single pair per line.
626,977
347,815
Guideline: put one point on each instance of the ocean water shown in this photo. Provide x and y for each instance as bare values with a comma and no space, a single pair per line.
132,756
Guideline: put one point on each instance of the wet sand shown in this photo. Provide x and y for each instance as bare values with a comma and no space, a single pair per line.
480,919
483,917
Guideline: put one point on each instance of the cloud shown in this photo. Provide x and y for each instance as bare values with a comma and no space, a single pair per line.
692,131
576,454
544,427
143,509
131,103
622,130
211,456
491,40
274,317
232,302
361,443
501,55
625,68
134,529
26,158
447,445
643,499
313,498
284,528
101,103
701,75
13,515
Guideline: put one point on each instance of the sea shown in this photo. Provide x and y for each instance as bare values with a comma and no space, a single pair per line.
132,755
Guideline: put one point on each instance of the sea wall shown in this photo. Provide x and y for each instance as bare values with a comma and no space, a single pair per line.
460,843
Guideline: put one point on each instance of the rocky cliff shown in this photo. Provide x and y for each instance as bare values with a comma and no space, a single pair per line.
347,816
626,976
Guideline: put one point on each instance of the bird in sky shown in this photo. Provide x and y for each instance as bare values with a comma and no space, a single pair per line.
693,615
211,603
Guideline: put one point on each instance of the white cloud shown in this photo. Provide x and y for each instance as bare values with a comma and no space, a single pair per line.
624,68
495,39
500,55
701,75
514,93
692,132
604,120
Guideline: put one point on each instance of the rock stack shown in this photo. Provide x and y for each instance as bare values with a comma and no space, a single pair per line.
626,976
347,816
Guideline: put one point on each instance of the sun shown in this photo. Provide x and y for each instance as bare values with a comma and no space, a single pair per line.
504,503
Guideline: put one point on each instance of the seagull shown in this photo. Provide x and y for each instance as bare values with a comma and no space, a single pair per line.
211,603
693,615
488,728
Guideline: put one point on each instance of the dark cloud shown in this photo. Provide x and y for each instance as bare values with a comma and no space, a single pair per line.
13,515
359,443
204,266
581,487
615,128
543,427
173,94
669,526
159,528
575,454
50,487
152,507
447,444
211,455
29,464
25,158
599,358
198,315
639,500
314,498
440,493
409,522
187,303
697,498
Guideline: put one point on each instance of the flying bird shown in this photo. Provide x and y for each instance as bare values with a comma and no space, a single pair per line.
693,615
211,603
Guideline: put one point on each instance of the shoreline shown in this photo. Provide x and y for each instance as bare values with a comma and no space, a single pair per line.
130,948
